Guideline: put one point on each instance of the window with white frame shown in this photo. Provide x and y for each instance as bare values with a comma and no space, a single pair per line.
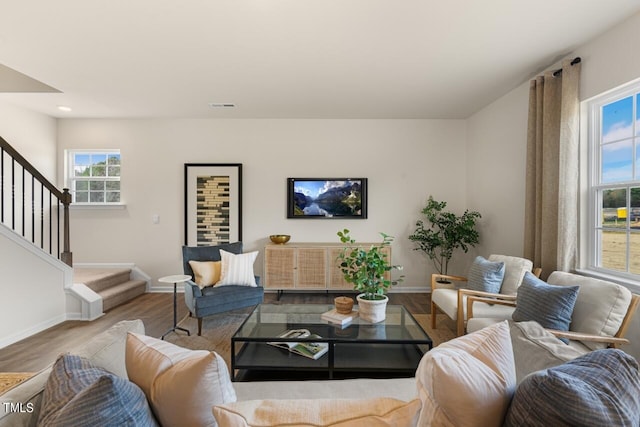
614,176
93,176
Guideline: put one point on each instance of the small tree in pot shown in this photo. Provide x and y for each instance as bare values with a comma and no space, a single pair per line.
444,233
366,269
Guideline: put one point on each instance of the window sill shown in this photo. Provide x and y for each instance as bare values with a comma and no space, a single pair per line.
111,206
631,284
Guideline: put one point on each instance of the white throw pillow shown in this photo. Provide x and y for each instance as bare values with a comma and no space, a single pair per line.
181,385
237,269
534,349
468,381
107,349
319,413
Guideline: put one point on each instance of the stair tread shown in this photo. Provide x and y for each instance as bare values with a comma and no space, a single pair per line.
99,279
114,285
121,287
84,275
122,293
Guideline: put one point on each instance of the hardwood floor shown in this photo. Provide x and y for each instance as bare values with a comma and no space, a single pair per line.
156,311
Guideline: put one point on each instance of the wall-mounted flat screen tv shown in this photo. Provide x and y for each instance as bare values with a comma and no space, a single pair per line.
344,198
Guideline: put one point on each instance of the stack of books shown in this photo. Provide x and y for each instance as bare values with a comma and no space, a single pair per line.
332,316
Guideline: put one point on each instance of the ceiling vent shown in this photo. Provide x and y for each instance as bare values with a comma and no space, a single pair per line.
221,105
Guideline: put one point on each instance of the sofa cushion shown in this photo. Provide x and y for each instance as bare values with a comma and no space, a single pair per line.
206,273
106,350
468,381
181,385
447,301
600,388
534,349
206,253
319,412
78,393
485,275
514,269
366,388
600,307
549,305
237,269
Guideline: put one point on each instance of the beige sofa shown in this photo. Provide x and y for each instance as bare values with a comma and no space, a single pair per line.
469,381
108,350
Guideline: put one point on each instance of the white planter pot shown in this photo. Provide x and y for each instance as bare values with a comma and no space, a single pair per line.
373,311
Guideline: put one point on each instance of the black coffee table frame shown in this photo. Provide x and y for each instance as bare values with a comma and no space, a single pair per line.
392,348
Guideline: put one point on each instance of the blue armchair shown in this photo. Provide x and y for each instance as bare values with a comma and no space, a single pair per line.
216,299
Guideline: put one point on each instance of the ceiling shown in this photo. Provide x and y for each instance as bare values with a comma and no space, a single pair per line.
434,59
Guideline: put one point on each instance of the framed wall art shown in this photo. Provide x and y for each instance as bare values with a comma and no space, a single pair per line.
212,203
343,198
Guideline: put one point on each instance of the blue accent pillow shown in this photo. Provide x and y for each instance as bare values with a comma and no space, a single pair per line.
485,275
600,388
78,394
549,305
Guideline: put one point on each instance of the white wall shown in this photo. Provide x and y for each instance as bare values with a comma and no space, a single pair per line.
404,160
496,155
497,135
31,289
33,135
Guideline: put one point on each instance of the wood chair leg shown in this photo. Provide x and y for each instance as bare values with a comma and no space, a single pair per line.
199,326
434,308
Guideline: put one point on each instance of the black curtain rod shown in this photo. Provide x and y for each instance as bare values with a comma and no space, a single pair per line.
575,61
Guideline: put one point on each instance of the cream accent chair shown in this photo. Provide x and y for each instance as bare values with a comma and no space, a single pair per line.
601,315
450,298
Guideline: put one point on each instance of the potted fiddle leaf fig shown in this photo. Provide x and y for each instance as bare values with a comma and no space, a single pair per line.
444,232
368,270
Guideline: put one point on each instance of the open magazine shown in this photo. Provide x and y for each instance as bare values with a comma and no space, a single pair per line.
312,350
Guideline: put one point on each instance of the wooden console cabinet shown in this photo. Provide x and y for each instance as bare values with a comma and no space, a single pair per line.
305,266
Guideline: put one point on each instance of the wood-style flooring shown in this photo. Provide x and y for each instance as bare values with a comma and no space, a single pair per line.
156,311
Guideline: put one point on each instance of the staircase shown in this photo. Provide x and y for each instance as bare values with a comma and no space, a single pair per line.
114,285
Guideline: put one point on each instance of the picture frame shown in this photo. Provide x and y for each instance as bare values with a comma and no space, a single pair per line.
327,198
212,203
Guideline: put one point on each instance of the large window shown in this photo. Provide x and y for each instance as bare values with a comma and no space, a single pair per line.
93,177
614,134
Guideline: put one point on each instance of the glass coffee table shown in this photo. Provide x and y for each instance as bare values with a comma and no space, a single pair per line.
392,348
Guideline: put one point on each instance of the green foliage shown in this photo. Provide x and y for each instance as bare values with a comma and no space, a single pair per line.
364,268
444,233
617,198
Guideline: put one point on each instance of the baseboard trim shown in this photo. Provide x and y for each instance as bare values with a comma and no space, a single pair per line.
26,333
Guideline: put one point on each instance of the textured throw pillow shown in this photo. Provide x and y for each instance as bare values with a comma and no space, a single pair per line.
600,388
549,305
468,381
106,350
485,275
181,385
534,349
206,273
78,393
237,269
319,412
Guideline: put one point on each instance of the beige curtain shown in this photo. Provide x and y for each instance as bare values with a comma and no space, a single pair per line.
551,199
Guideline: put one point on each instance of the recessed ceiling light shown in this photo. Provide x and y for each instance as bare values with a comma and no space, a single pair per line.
222,105
64,108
